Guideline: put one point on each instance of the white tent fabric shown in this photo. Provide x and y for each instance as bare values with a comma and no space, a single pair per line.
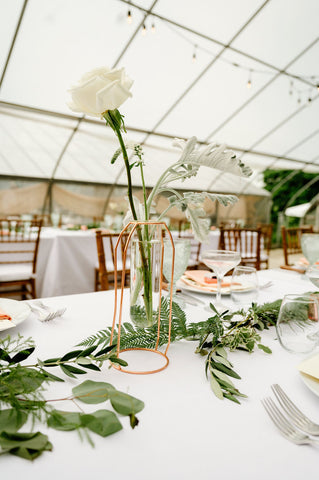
298,211
273,44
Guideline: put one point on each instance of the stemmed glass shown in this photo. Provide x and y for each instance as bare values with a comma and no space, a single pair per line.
220,261
182,254
297,324
312,273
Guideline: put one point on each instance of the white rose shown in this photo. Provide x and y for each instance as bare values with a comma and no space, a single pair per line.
100,90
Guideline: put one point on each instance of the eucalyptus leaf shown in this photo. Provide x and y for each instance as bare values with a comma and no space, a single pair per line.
25,445
93,392
60,420
102,422
11,420
125,404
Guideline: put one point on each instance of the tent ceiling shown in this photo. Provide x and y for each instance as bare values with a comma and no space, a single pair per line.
272,43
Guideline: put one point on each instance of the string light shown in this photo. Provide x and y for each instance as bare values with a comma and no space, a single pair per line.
129,17
144,30
249,80
318,87
194,57
153,29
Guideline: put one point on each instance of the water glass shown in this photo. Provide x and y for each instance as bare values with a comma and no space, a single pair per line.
312,273
182,254
244,286
297,324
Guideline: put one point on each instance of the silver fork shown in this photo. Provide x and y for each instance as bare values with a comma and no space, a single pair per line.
283,425
44,313
296,416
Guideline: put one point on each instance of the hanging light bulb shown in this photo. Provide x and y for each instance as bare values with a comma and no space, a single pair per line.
129,17
248,85
194,57
144,30
291,87
318,87
153,29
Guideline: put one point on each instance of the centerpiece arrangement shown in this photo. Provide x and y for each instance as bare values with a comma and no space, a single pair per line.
100,93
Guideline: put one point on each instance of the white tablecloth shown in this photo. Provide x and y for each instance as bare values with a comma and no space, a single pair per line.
67,259
185,432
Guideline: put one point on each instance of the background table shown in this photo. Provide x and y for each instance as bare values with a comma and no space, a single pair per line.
185,432
67,260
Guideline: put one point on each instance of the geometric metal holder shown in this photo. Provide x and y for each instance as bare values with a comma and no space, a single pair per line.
118,309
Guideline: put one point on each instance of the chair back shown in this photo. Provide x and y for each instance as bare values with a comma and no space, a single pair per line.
291,240
19,241
246,241
196,246
106,243
266,241
19,244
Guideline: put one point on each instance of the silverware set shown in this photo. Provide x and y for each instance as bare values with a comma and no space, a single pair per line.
44,312
289,420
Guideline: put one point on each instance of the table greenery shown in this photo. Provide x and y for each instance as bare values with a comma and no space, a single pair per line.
220,333
100,93
22,389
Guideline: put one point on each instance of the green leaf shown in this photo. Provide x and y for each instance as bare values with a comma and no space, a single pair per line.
70,355
125,404
60,420
231,397
72,369
51,360
120,361
222,376
224,369
4,356
91,366
216,388
105,350
67,371
83,361
88,351
50,377
264,348
25,445
222,360
102,422
93,392
20,356
20,380
11,420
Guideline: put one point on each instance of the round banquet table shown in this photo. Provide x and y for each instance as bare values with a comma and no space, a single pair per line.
185,432
67,260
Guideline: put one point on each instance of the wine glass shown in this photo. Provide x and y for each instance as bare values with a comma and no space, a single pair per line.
182,254
220,261
312,273
244,286
297,324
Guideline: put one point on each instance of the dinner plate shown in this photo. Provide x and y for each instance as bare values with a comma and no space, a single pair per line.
18,311
198,289
310,382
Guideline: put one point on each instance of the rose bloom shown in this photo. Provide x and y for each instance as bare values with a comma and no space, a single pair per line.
100,90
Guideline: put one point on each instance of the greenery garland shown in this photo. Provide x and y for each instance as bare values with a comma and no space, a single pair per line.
21,395
218,333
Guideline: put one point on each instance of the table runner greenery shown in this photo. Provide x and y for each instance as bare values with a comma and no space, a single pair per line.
218,333
22,397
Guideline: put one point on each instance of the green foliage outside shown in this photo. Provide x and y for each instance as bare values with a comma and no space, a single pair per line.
283,194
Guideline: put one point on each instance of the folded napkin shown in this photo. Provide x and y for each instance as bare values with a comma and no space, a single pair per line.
201,278
310,367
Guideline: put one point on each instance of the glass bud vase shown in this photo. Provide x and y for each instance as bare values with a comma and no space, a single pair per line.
145,275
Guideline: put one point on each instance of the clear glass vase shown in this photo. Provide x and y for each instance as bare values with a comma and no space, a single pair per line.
145,277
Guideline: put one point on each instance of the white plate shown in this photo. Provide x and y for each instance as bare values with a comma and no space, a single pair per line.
225,290
310,382
18,311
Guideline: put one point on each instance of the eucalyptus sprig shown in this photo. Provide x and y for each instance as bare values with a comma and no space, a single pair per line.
22,390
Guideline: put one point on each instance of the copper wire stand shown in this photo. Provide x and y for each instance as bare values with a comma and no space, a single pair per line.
133,226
